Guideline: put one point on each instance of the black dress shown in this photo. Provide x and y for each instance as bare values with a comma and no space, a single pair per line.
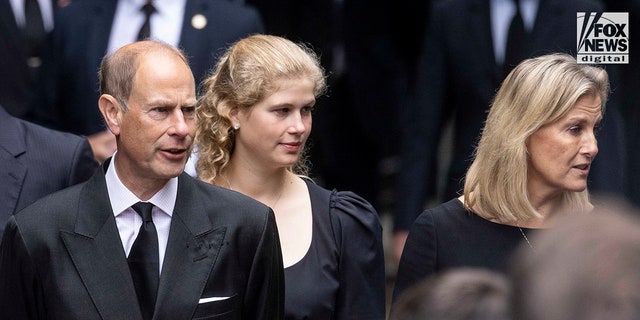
448,236
342,275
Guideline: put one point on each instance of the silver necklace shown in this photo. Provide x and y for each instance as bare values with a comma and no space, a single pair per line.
272,206
525,238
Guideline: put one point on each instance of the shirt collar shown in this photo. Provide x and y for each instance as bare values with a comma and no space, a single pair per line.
122,198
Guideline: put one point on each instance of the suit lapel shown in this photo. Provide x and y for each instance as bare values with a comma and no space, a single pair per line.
96,251
192,39
10,28
192,249
12,171
98,39
480,27
548,17
188,39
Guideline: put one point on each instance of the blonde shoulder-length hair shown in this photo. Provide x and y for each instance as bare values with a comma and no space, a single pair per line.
244,75
537,92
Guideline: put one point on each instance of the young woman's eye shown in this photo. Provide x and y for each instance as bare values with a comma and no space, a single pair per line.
308,110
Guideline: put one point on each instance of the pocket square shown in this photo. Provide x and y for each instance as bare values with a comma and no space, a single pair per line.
212,299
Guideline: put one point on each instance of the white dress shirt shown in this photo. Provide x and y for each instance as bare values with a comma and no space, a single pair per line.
129,222
166,22
46,10
502,12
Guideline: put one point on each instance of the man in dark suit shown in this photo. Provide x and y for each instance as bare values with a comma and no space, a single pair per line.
36,161
630,97
86,30
459,72
20,51
214,251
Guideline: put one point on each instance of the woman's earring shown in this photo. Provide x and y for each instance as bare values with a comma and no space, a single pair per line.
236,126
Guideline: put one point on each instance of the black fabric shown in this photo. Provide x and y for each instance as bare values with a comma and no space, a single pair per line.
34,27
145,30
447,237
515,40
144,262
342,274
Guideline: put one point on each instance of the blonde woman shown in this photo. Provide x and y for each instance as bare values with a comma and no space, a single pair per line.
254,117
530,166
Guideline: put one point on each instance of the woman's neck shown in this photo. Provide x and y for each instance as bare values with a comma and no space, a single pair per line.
266,187
548,206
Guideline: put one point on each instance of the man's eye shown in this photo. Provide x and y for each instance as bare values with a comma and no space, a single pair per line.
189,112
158,113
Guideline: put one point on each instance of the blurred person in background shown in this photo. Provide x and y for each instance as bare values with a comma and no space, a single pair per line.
36,161
25,26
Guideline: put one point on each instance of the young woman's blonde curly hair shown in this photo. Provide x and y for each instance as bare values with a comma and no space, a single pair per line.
243,76
537,92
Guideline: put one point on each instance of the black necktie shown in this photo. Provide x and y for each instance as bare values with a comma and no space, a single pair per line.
145,30
34,27
144,262
515,41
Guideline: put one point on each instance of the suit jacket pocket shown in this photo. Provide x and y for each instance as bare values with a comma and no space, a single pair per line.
219,309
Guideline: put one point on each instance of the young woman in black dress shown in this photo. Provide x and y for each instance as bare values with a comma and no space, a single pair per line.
254,118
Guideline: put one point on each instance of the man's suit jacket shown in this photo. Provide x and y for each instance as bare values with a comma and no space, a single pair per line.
36,161
15,81
62,258
458,76
81,38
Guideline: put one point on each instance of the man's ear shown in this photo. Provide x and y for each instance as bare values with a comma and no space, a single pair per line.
111,112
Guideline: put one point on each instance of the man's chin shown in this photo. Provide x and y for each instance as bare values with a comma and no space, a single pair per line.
172,170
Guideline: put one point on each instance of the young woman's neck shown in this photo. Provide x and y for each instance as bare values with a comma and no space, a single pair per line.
264,186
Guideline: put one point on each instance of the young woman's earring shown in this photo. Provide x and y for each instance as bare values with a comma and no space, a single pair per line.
236,126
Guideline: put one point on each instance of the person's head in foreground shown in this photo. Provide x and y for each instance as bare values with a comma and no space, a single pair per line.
458,294
584,268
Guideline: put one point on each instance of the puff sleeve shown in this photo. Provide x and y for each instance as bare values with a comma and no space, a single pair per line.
358,234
